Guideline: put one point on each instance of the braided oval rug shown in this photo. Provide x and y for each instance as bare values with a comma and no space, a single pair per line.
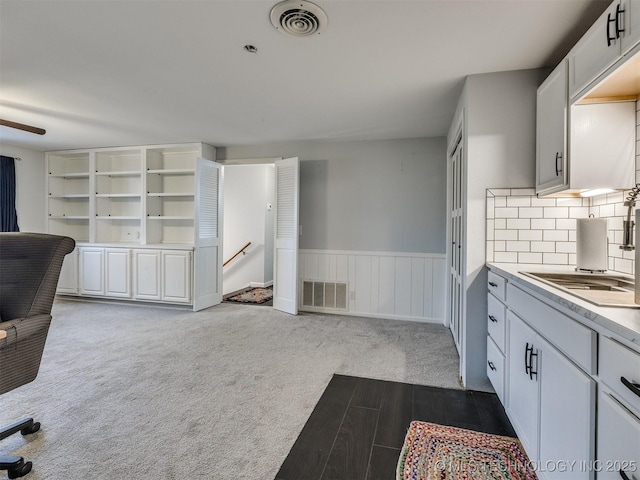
438,452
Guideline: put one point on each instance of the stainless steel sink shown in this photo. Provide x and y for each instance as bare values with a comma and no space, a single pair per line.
598,288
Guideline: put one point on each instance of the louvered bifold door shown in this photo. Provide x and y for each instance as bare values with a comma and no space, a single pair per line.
207,264
285,268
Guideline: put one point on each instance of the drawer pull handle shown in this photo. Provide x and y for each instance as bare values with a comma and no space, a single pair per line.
493,319
491,365
624,475
493,284
634,387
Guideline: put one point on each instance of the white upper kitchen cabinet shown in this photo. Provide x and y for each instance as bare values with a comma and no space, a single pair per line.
610,37
551,138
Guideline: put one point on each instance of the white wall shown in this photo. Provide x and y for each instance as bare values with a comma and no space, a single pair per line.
387,195
247,190
30,187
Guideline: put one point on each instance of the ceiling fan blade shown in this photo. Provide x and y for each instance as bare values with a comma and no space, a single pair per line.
22,126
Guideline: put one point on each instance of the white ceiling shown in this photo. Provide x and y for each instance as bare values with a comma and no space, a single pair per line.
104,72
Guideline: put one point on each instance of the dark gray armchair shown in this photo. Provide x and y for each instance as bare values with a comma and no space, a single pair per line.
30,265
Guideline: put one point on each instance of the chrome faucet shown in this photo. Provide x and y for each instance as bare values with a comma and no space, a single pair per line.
628,224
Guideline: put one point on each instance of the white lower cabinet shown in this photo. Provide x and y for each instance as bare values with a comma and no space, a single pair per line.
160,275
176,276
91,271
147,274
550,403
68,280
118,272
618,440
163,275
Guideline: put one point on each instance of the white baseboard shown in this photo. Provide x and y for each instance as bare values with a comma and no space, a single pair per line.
261,285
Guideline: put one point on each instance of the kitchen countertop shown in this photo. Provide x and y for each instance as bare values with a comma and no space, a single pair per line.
620,320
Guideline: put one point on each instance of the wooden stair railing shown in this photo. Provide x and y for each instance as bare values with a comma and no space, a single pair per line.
242,250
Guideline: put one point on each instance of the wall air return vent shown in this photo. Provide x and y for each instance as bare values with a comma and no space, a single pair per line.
331,295
298,18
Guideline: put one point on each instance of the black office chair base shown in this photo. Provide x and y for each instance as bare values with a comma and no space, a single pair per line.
16,466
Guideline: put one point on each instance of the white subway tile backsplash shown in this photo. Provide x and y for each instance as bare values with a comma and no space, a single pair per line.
506,212
518,201
569,202
623,265
500,202
518,223
578,212
566,223
556,212
555,235
529,257
572,235
543,246
607,210
543,202
566,247
543,224
531,212
517,246
490,229
500,223
499,246
506,235
506,257
555,258
535,235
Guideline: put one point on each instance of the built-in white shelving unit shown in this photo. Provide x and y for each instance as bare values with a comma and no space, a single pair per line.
139,198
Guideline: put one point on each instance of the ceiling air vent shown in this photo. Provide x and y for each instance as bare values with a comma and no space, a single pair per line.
298,18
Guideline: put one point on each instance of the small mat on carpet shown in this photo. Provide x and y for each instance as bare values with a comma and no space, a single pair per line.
439,452
255,295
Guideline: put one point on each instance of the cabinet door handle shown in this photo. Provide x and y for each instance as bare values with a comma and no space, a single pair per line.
558,157
624,475
619,12
609,22
634,387
492,284
491,365
493,319
527,363
533,372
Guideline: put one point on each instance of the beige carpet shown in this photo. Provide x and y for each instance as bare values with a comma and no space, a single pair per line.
139,392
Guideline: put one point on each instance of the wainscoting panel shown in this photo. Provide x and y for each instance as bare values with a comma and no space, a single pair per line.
406,286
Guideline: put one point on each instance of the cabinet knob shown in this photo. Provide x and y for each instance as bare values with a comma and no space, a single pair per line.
491,365
493,319
493,284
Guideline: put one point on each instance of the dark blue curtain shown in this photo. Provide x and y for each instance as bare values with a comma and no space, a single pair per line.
8,215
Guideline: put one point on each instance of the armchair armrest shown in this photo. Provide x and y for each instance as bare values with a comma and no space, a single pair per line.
20,329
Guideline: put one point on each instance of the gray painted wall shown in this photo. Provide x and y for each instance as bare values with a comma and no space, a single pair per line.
370,195
500,131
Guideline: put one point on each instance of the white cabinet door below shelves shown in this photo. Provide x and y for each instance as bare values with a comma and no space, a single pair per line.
147,274
176,276
68,281
118,272
92,271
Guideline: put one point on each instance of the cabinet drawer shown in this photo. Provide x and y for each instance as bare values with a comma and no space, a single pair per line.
495,368
496,285
618,440
570,337
619,368
496,321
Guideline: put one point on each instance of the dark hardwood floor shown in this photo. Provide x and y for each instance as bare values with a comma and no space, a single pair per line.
357,429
